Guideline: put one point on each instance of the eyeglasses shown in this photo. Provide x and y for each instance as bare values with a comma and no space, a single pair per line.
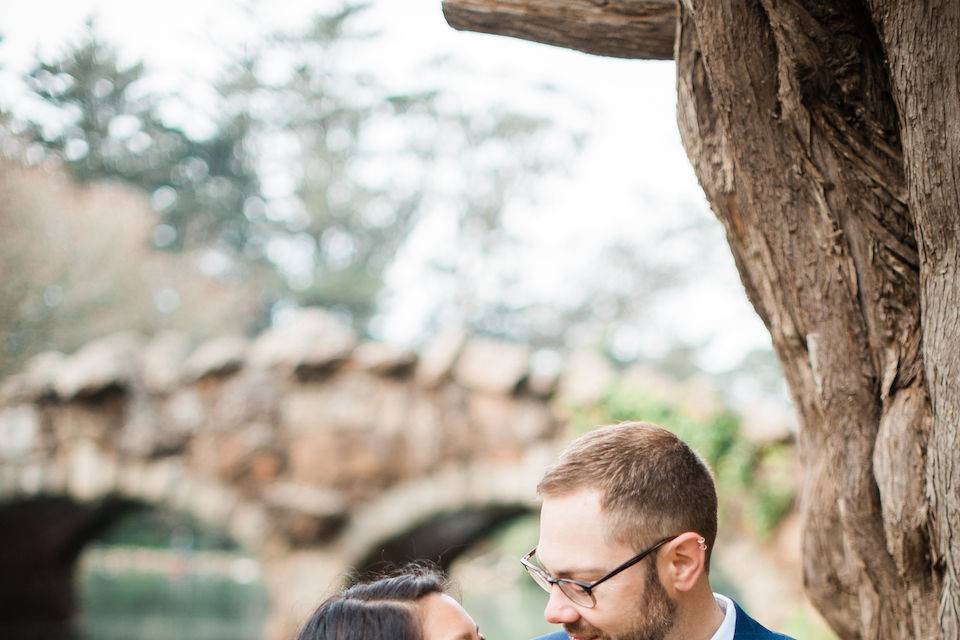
578,591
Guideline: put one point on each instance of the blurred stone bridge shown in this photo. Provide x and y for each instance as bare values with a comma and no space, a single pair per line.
319,454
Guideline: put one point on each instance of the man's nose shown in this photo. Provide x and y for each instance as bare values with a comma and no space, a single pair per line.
559,609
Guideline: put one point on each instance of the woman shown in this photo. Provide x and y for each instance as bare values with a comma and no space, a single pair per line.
408,606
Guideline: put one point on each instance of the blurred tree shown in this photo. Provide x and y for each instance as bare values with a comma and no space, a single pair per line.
5,137
349,165
77,265
98,116
602,306
372,161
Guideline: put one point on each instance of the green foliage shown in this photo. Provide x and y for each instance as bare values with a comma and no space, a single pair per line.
773,487
761,479
351,225
735,472
713,438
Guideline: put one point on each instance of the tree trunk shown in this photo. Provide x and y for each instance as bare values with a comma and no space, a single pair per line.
922,43
826,165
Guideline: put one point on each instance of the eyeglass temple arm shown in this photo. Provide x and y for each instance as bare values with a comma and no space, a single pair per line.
629,563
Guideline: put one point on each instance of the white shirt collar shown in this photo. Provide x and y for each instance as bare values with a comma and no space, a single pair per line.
729,624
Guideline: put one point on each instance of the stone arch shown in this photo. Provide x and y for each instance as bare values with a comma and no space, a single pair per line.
489,492
37,560
88,476
51,510
441,539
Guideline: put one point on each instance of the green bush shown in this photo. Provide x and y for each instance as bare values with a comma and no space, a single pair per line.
773,488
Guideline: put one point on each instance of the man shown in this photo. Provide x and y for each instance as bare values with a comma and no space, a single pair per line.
628,523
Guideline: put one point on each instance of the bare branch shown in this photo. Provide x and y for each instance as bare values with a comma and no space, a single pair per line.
620,28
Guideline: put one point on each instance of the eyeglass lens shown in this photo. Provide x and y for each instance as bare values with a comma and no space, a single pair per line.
572,590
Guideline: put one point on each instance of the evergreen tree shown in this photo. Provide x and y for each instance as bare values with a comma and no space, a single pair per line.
98,117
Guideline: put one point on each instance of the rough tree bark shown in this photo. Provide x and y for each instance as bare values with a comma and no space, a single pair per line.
621,28
922,43
815,206
826,135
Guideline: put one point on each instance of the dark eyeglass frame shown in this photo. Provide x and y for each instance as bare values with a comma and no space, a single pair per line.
586,587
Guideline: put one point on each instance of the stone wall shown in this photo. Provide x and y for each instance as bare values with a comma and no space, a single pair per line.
302,420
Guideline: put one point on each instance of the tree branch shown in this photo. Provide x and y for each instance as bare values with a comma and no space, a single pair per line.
620,28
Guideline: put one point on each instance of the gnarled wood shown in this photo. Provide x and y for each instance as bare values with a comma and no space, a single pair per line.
922,42
619,28
792,99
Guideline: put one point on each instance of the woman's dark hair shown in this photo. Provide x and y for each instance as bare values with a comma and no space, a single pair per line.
384,608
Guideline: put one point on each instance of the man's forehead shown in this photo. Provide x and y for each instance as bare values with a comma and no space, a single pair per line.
574,514
575,533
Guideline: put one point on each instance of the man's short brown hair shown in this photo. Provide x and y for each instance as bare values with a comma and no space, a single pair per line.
651,483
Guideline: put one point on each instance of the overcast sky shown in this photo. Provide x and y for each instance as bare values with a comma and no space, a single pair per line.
630,181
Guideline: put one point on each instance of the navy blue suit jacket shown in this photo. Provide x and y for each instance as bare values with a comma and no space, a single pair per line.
747,629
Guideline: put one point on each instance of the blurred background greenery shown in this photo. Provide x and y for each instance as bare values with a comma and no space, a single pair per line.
301,191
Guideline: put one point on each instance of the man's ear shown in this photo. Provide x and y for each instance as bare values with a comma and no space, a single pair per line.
684,561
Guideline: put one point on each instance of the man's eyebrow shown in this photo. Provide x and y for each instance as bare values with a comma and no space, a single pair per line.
578,571
574,571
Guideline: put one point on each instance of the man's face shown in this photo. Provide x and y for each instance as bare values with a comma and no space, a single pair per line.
575,543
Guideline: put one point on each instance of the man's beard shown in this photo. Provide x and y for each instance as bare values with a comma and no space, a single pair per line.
656,615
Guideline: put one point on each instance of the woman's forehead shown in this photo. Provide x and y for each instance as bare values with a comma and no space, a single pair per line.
444,619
